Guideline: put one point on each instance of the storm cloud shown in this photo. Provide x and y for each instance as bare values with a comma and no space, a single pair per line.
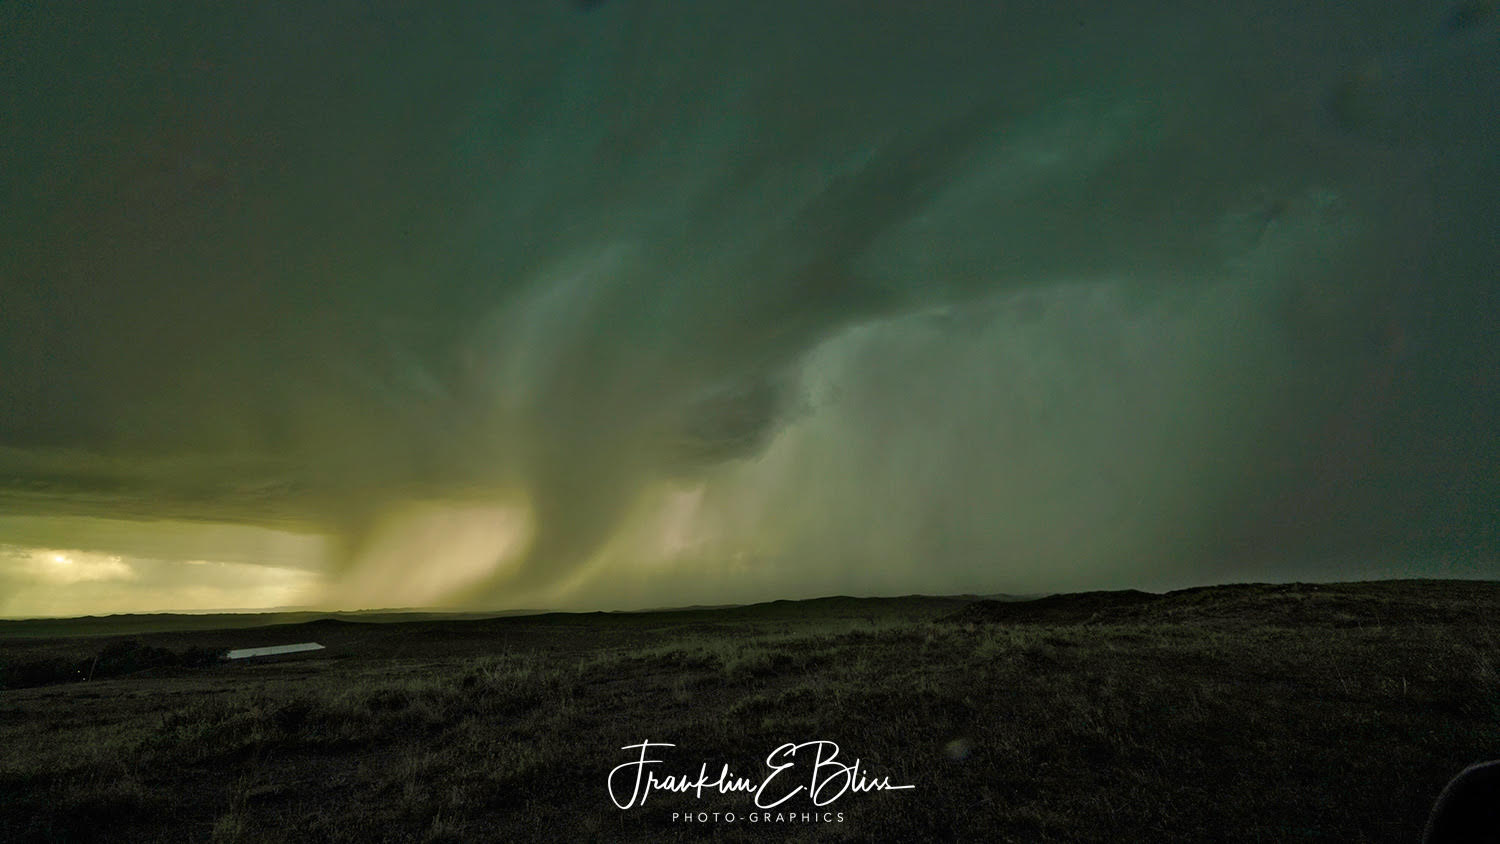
647,301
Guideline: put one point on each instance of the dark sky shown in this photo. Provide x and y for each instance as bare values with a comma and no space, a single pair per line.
644,302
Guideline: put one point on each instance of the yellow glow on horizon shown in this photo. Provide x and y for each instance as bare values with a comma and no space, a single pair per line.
74,582
64,567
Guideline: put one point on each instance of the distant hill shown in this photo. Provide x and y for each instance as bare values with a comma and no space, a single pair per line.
132,624
135,624
1331,604
1373,603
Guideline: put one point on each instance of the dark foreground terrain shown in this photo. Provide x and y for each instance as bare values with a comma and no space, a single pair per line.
1235,713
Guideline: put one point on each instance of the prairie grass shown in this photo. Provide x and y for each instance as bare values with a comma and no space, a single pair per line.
1098,729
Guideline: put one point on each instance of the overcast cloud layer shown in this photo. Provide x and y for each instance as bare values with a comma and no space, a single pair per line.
647,302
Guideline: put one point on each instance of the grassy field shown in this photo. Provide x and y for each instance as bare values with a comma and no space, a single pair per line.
1235,713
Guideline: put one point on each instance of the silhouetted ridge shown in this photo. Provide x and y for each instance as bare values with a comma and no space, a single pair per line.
1284,604
1074,608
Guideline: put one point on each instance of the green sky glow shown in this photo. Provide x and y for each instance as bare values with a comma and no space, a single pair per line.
648,303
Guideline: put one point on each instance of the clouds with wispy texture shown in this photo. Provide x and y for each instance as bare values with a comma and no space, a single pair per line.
72,565
70,582
650,301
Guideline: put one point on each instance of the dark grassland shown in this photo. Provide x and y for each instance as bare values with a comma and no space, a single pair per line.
1236,713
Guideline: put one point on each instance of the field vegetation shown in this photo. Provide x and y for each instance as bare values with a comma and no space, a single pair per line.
1240,713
